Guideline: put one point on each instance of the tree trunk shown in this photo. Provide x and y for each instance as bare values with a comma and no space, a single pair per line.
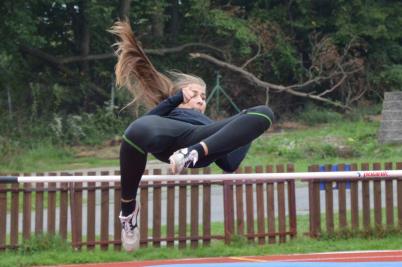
174,19
84,38
79,19
124,9
10,104
158,21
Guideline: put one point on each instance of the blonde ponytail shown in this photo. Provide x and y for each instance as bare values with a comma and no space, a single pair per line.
135,71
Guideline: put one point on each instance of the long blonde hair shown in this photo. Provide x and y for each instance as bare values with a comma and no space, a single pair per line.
135,71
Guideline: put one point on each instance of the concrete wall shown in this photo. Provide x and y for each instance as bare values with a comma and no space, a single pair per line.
391,123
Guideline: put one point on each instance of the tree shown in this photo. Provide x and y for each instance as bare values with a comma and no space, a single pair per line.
338,50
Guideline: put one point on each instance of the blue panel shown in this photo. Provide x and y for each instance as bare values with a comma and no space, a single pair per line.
322,184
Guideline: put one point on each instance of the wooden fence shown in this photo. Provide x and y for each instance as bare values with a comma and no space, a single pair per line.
172,213
243,195
182,213
362,202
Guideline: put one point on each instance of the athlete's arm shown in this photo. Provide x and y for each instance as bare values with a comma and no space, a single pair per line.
167,105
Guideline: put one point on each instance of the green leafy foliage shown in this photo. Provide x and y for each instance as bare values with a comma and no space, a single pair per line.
391,77
226,26
55,27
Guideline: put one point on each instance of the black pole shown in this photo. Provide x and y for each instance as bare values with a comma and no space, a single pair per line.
8,179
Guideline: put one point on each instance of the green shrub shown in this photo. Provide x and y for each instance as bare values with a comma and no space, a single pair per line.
364,111
88,128
320,151
392,77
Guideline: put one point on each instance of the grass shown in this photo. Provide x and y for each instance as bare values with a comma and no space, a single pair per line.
339,142
45,157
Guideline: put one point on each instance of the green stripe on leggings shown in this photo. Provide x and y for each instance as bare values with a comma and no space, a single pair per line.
133,145
262,115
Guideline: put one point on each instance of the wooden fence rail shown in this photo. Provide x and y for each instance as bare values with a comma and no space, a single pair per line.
172,213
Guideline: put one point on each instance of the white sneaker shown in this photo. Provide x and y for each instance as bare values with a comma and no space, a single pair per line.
182,158
130,233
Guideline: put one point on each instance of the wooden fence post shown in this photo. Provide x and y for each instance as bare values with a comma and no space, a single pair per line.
51,209
144,213
249,205
76,212
116,222
292,203
377,200
63,215
15,209
399,192
314,204
260,208
104,235
354,200
329,207
39,188
182,213
51,206
170,218
26,219
206,210
342,200
228,210
281,206
91,213
3,216
194,210
389,199
366,199
271,208
239,205
157,209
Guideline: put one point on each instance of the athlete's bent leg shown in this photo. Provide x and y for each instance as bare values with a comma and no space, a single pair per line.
221,138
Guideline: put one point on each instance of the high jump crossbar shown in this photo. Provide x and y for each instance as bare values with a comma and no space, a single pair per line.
341,175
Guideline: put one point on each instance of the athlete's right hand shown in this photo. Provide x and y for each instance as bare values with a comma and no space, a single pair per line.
187,94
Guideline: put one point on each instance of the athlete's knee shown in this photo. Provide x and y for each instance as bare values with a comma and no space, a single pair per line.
230,168
263,111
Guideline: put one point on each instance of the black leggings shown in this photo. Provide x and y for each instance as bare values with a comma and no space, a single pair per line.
162,137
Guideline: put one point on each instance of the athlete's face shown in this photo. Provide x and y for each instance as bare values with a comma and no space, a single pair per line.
194,97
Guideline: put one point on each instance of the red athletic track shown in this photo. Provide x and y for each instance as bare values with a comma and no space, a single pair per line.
355,256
